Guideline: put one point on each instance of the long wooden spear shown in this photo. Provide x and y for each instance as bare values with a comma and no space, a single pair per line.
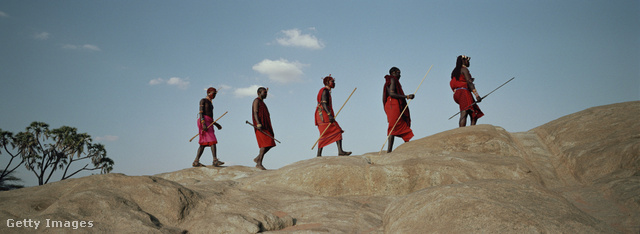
405,108
325,130
265,133
476,102
209,126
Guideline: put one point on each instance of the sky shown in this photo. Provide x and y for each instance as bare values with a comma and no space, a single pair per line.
131,73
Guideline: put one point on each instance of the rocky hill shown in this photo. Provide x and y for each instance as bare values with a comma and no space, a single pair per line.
577,174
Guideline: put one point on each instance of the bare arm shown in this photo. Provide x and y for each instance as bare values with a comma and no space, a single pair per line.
467,77
325,104
255,114
470,85
392,92
204,127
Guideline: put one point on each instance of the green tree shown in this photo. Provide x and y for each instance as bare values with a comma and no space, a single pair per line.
6,142
45,151
5,178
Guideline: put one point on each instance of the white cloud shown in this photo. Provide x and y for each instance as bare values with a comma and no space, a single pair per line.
156,81
181,83
41,36
251,91
4,15
81,47
281,70
295,38
90,47
107,138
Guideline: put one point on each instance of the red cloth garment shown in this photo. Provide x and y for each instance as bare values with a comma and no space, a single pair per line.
207,137
402,128
402,102
393,107
462,96
334,132
265,119
458,83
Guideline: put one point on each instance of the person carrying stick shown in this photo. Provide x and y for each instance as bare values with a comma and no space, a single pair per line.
329,129
262,126
207,134
462,85
395,101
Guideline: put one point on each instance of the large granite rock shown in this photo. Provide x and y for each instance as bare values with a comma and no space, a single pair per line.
492,206
576,174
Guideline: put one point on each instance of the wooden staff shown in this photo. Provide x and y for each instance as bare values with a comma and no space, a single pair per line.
263,132
405,108
209,126
325,130
476,102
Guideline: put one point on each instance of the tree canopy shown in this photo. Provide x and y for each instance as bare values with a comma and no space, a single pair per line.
44,151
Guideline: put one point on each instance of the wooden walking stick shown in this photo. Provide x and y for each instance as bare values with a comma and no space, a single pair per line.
401,113
476,102
325,130
209,126
265,133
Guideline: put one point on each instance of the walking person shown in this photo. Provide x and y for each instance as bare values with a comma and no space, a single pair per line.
325,119
395,101
207,134
462,85
262,126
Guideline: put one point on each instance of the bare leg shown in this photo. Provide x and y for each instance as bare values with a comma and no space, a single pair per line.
473,120
216,162
463,119
196,162
214,152
340,151
390,144
319,152
258,159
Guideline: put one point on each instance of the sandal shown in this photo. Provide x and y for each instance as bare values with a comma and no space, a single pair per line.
346,153
197,164
217,163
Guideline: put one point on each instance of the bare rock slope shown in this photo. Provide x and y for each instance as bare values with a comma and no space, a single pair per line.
577,174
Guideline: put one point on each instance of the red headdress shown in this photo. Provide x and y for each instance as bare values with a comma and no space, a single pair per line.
326,80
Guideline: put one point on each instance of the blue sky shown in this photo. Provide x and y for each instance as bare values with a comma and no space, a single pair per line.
131,73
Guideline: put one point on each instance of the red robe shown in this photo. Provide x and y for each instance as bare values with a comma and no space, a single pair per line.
462,96
393,107
207,137
265,120
334,133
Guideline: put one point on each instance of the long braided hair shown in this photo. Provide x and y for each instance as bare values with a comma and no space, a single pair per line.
459,62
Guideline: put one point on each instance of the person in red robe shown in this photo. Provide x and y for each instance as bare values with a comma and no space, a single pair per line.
207,134
330,130
395,101
462,85
263,129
